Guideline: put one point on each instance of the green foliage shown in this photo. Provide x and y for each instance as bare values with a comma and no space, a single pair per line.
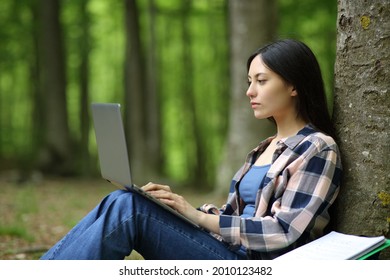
196,94
15,34
193,71
313,22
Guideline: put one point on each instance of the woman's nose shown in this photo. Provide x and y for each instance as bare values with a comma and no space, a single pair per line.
250,92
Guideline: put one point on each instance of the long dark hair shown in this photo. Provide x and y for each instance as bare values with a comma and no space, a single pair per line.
297,65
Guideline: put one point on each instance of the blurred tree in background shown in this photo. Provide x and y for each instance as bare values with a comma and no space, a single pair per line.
252,23
167,61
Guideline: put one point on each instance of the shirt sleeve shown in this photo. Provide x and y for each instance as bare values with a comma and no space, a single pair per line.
297,202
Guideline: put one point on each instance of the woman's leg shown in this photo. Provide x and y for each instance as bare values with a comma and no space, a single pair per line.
125,221
83,225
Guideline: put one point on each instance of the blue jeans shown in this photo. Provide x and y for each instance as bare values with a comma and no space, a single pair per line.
126,221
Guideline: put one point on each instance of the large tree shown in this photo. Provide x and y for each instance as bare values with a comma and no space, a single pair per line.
134,90
55,154
362,115
84,41
252,24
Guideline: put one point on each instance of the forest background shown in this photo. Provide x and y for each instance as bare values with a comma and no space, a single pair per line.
178,69
166,61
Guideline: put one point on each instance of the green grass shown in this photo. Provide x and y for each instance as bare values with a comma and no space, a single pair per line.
35,216
16,231
38,215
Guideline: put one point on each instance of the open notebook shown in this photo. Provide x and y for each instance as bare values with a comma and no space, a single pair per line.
338,246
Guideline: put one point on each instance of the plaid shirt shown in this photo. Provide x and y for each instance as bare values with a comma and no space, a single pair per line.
292,201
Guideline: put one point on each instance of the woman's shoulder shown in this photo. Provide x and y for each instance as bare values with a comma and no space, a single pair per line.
319,140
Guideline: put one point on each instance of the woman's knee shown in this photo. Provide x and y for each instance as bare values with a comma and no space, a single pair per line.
123,200
113,196
109,199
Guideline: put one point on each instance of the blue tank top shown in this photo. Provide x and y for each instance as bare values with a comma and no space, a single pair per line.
249,186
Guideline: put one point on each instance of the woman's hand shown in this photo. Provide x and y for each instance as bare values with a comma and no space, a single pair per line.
177,202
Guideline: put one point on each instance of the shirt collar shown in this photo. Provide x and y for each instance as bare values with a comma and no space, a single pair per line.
292,141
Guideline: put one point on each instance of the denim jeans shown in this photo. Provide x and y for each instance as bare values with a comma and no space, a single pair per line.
125,221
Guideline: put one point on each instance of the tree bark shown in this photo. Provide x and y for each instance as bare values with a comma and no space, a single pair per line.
190,104
252,24
362,116
153,126
36,91
56,153
84,88
135,92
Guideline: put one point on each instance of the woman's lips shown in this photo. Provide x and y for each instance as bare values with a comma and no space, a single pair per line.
254,104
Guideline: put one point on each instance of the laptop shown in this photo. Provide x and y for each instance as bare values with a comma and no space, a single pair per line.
112,152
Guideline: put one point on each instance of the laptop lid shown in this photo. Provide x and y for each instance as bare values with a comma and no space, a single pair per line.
111,143
112,150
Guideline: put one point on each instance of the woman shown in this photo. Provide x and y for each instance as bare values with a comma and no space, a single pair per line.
278,200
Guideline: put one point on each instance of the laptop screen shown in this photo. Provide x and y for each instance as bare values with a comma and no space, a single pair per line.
111,143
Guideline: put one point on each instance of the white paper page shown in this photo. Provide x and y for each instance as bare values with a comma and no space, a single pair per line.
334,246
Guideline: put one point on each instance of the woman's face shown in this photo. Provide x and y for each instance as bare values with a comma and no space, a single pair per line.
269,94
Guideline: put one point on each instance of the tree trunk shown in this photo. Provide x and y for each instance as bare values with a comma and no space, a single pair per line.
134,93
37,114
84,41
252,24
362,116
190,104
153,127
56,153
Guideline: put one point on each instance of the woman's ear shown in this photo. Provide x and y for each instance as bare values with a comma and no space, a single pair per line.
293,91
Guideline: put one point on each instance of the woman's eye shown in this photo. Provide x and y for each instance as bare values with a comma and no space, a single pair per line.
249,83
261,82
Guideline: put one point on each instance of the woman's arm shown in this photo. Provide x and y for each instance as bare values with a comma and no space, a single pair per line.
180,204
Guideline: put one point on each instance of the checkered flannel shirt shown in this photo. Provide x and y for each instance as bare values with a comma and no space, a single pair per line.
292,201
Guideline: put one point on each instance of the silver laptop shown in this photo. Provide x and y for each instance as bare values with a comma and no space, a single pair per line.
112,151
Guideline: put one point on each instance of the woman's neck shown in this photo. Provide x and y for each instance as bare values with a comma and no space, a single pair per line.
289,127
